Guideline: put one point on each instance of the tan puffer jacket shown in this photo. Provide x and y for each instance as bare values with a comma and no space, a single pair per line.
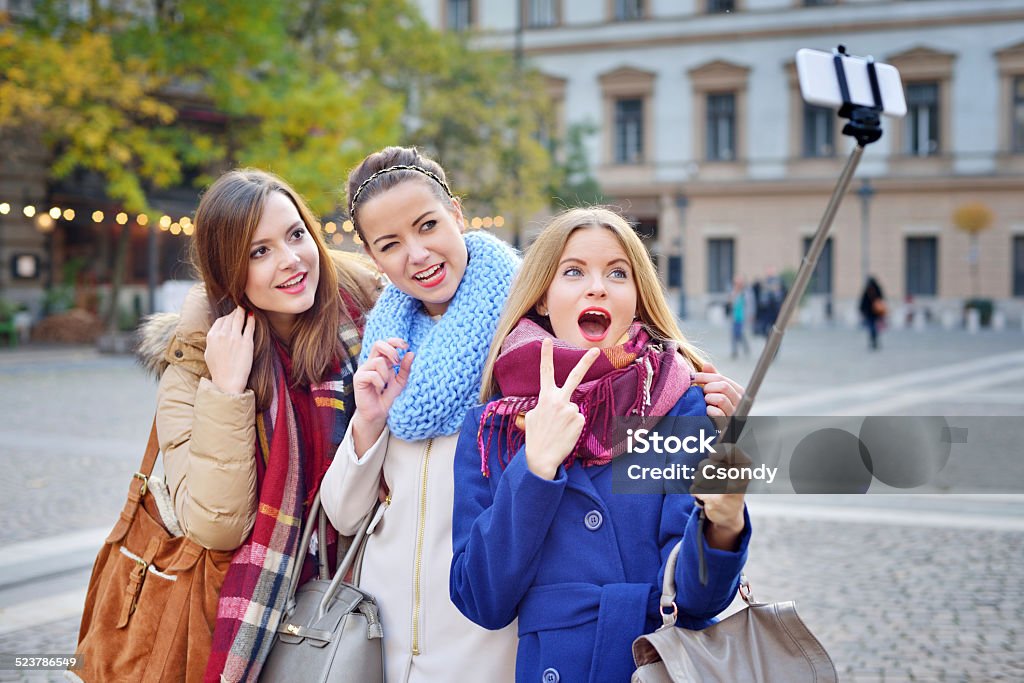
207,437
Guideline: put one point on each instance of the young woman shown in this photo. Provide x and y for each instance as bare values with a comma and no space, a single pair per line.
423,355
538,535
251,408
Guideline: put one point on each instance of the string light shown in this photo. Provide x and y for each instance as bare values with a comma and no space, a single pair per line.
122,218
97,216
165,222
330,228
175,229
347,226
55,213
185,220
476,222
45,222
188,229
357,239
337,238
29,211
69,214
5,208
499,221
142,219
488,222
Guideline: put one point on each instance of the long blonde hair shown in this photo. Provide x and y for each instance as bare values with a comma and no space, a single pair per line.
541,263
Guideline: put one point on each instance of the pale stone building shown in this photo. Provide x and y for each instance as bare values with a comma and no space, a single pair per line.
705,142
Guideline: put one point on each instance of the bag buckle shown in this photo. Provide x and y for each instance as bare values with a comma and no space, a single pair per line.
145,482
669,618
744,590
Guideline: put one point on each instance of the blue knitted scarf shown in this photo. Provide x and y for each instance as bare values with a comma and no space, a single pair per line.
450,353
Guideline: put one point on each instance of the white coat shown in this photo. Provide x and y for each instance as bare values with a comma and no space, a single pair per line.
408,558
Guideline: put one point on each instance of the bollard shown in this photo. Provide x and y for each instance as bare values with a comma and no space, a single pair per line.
948,320
998,321
973,320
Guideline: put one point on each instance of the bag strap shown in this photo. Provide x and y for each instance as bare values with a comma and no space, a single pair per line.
352,556
669,611
318,517
137,488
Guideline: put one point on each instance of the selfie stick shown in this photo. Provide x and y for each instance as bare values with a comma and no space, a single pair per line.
865,127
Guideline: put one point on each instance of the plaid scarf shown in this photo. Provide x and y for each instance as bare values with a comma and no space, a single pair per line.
297,437
639,378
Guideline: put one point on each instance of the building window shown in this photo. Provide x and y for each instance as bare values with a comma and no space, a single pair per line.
541,13
819,131
721,6
626,10
460,15
721,129
1018,266
922,125
922,266
720,265
1018,114
629,131
821,278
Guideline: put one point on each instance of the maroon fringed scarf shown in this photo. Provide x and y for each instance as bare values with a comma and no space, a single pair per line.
640,378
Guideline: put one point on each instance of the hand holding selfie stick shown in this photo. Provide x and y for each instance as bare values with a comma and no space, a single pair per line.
865,127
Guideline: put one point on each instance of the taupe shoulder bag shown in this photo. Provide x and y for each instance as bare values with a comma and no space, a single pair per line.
764,642
330,630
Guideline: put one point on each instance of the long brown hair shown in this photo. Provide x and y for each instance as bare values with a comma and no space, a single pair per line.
538,271
226,221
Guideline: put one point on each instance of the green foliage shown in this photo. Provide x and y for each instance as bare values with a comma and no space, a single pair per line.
309,88
576,185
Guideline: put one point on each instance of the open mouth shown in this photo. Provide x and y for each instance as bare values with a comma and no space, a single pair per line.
594,323
432,276
294,285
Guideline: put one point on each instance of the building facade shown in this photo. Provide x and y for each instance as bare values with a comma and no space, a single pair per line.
704,140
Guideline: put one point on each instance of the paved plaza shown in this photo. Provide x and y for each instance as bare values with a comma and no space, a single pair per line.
897,587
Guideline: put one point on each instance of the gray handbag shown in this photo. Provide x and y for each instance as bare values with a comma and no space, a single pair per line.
764,642
330,630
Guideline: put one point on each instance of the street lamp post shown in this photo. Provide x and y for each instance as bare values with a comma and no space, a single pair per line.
866,192
681,203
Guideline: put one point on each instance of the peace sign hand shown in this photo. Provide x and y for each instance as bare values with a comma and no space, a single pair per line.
555,424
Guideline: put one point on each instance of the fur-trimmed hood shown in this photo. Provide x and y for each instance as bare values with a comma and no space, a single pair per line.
155,335
166,338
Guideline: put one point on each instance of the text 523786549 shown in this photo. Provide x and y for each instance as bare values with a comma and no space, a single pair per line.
28,662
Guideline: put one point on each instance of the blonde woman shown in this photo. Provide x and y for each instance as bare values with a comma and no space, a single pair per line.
538,535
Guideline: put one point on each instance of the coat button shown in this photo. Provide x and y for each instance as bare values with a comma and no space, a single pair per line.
178,353
550,676
593,520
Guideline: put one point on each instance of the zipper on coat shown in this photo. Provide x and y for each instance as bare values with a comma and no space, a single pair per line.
420,533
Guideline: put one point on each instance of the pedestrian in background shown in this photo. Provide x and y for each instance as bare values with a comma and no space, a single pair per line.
255,396
586,335
738,304
874,310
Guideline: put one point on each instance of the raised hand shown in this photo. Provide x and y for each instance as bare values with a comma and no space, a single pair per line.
229,349
720,393
555,423
723,500
376,385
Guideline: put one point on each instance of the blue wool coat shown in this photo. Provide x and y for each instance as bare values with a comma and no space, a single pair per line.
579,566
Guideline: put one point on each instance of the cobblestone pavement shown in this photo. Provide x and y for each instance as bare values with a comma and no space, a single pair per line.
900,589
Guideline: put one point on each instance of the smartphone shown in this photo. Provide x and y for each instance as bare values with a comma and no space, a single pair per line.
819,82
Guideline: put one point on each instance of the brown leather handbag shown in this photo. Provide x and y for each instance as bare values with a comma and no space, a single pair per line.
151,605
764,642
